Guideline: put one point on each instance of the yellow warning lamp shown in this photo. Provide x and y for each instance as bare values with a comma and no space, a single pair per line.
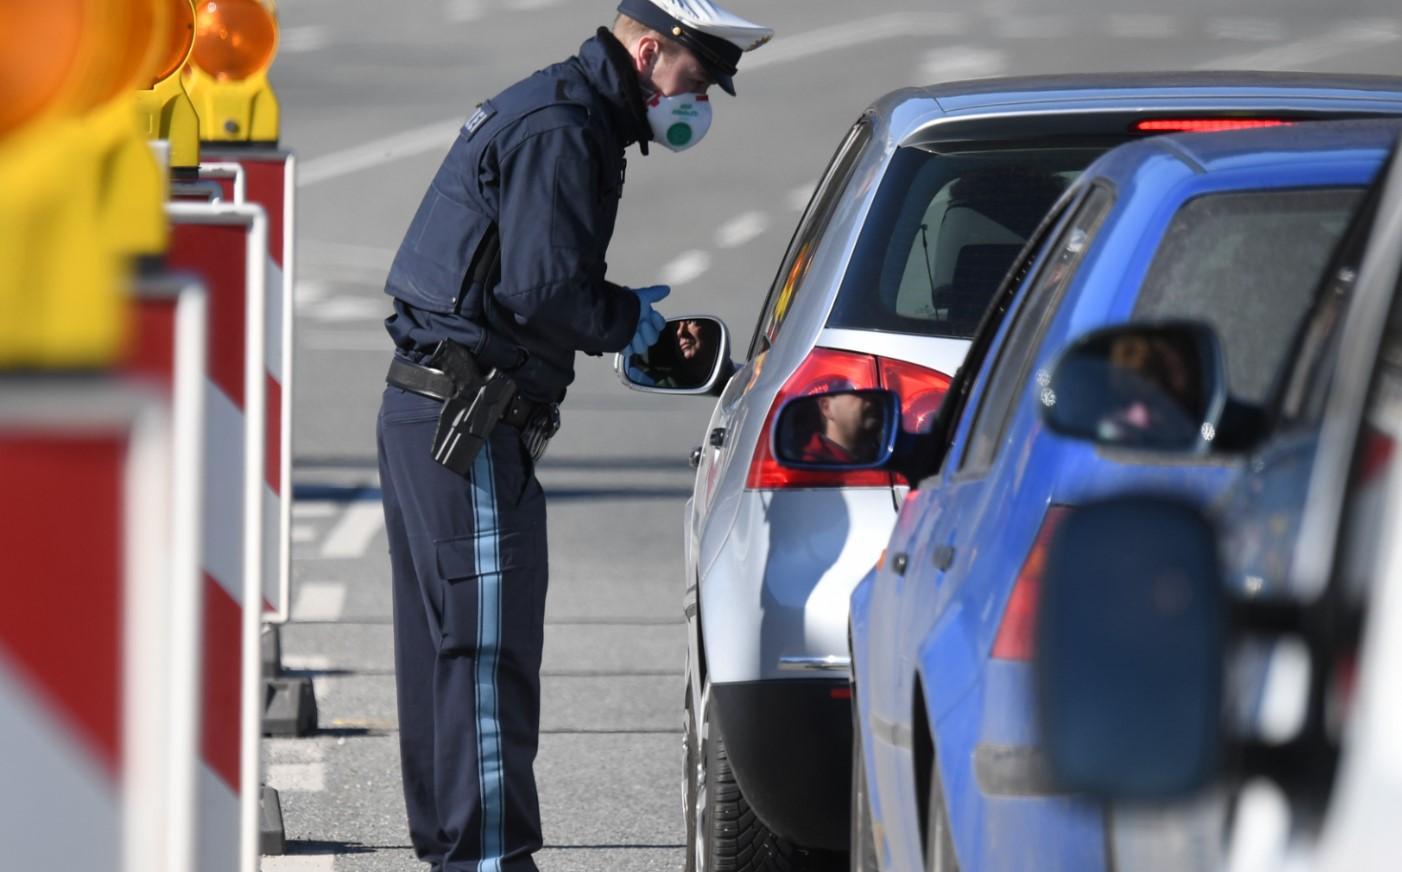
235,44
166,109
132,189
62,281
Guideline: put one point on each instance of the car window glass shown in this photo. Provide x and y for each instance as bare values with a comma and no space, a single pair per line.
802,247
1013,365
1247,264
943,231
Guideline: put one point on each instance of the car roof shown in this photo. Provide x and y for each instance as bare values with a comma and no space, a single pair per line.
1255,149
1087,89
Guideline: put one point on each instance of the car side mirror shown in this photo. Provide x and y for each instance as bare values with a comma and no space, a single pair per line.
1130,637
840,430
1157,387
691,356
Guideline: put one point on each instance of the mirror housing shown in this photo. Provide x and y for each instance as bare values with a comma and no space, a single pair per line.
1157,387
691,356
1130,637
838,430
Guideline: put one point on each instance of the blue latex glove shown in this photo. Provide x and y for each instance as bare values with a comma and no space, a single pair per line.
650,323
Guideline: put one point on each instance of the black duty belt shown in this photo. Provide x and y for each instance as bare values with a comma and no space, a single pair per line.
437,385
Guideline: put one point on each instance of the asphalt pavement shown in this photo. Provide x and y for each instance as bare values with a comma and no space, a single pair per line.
372,94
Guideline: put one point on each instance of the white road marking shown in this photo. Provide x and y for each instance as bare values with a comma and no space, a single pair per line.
310,37
299,863
1348,37
325,685
741,229
1247,29
301,534
1034,27
430,137
347,309
294,751
319,601
961,62
346,340
312,253
309,509
1133,25
798,198
307,292
360,523
297,777
687,267
822,41
530,5
463,11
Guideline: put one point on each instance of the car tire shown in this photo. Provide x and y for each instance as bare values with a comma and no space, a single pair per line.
863,840
723,833
939,840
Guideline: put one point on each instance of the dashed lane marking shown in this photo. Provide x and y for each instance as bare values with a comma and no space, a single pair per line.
319,601
687,267
312,509
351,536
301,534
741,229
1348,37
1035,27
304,863
343,309
1247,29
297,777
962,62
1132,25
430,137
311,37
463,11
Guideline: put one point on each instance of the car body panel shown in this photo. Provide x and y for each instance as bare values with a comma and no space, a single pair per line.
934,629
738,545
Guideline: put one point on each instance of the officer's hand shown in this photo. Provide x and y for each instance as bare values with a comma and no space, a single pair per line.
650,323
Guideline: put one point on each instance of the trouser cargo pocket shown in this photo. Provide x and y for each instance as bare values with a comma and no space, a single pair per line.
466,593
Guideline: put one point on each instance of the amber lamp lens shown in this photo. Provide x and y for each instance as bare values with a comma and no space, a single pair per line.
180,36
122,58
38,46
234,39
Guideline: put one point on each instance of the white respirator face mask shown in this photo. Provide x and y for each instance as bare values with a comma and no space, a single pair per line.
679,122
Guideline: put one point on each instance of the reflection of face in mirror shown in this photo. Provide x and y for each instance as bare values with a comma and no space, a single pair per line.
1156,392
684,356
848,430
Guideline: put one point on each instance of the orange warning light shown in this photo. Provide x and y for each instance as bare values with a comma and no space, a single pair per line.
126,49
39,41
234,39
179,40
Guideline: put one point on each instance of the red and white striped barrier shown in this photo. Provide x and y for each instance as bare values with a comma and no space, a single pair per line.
268,178
225,245
98,622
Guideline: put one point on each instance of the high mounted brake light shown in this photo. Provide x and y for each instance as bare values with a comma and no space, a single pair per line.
1205,125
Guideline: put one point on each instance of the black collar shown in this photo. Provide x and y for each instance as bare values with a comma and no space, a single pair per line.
634,107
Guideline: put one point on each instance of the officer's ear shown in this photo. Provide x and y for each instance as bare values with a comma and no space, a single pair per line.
646,53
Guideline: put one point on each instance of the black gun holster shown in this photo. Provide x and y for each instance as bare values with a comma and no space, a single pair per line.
472,411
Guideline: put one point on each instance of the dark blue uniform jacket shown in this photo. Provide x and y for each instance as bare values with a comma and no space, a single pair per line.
540,169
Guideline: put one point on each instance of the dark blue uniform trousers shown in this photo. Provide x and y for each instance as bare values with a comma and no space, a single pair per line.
468,556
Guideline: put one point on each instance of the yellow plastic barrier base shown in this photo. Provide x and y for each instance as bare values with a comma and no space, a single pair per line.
167,112
131,202
234,110
62,285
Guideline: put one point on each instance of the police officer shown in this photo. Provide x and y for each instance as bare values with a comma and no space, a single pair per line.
499,281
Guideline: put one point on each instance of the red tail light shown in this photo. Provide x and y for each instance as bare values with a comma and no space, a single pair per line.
921,390
1014,640
1205,125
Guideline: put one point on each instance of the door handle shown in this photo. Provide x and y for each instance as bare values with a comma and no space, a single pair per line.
944,557
695,459
717,438
899,563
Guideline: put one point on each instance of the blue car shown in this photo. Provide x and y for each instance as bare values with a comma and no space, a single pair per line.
1232,230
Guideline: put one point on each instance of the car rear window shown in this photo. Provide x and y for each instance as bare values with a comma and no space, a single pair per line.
1248,264
943,231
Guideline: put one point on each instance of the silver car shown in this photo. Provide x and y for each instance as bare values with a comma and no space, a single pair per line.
920,214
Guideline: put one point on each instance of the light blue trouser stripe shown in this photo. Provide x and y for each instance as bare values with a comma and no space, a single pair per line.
487,543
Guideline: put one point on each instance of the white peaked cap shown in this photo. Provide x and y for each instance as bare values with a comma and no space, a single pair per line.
712,20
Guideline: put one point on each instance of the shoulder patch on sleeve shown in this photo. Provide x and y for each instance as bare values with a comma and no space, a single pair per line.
484,112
